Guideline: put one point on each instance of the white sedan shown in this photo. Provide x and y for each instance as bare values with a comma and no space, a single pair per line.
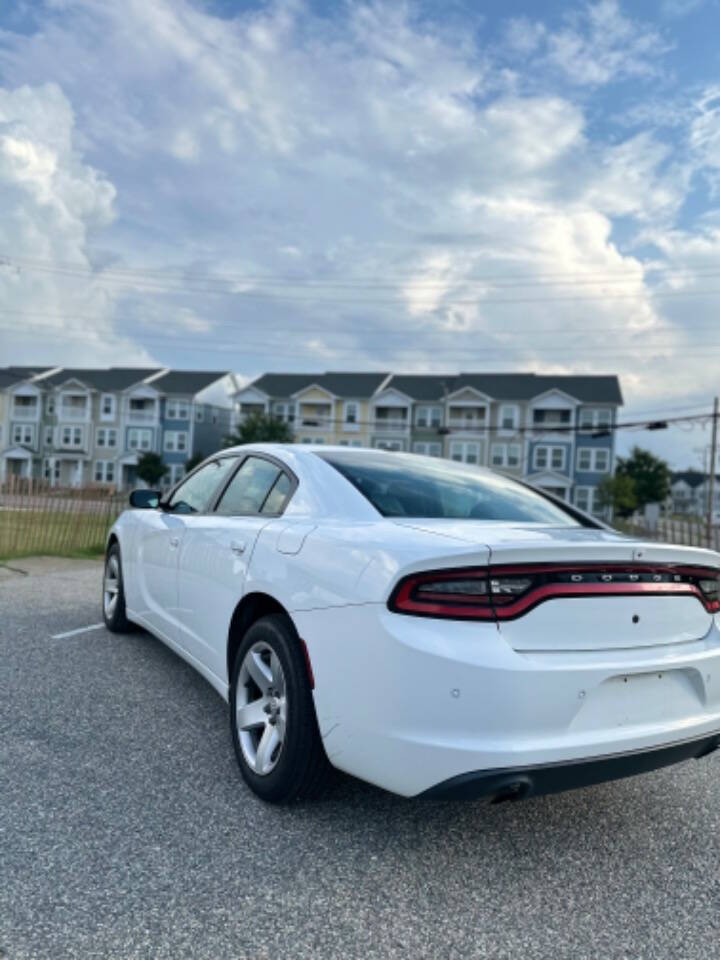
433,628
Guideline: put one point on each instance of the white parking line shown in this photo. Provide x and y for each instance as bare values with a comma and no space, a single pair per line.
74,633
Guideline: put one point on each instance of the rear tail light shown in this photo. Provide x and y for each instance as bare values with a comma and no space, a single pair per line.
506,593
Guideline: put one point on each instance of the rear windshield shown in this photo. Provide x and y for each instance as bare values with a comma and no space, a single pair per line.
405,485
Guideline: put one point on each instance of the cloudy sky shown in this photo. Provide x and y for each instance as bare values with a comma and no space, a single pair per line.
416,186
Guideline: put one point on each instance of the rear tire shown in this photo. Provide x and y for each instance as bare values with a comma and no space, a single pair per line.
272,715
113,597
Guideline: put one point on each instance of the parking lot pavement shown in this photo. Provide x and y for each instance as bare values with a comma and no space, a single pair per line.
126,830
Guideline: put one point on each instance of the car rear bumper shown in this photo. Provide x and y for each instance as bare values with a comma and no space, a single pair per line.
421,706
521,782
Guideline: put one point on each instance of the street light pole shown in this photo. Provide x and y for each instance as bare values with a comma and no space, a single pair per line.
711,483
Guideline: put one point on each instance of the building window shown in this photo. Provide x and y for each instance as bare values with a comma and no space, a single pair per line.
585,498
595,419
590,460
104,471
177,472
505,455
175,441
553,457
177,410
199,414
24,434
350,415
428,417
428,449
48,436
51,471
465,451
509,417
106,437
107,406
284,411
139,439
72,437
389,445
50,405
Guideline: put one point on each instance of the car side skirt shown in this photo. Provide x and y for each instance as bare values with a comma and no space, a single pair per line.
521,782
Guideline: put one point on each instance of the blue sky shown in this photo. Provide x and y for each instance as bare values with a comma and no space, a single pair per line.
375,185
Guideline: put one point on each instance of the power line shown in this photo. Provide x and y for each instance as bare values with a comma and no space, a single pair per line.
153,286
566,278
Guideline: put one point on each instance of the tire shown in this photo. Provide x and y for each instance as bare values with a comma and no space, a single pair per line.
275,734
113,599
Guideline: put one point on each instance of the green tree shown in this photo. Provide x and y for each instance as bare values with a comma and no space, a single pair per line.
650,476
151,469
261,428
618,492
194,461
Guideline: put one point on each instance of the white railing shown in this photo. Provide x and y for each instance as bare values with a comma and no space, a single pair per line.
72,413
386,425
467,423
142,416
315,423
26,413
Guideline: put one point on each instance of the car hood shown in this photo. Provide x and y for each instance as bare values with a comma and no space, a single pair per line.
537,543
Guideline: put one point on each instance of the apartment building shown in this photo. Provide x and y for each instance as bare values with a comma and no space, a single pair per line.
555,431
76,427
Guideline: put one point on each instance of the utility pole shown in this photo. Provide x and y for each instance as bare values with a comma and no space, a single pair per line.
711,483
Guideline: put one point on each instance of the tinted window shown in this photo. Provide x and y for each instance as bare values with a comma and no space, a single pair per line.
402,485
278,495
249,488
195,494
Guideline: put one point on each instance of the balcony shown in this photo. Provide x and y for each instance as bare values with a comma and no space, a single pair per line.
141,412
25,411
316,417
470,417
74,412
391,420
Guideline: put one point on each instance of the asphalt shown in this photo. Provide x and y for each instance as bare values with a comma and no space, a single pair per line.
127,832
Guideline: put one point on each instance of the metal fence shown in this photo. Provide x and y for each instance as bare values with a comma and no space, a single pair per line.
36,518
690,533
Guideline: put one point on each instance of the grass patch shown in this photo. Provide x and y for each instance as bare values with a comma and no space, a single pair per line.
58,533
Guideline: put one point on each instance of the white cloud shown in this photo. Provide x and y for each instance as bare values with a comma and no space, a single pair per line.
51,201
598,44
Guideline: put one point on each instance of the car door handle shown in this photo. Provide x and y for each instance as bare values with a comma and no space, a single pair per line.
237,547
174,541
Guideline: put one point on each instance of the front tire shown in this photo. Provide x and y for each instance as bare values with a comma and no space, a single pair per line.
272,715
113,597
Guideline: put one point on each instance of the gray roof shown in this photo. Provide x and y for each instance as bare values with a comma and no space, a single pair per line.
693,478
338,383
112,378
187,382
500,386
511,386
11,375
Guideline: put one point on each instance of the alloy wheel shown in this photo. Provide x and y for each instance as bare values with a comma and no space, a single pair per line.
111,585
261,708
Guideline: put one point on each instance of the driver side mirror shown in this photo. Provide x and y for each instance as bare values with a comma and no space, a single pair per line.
145,499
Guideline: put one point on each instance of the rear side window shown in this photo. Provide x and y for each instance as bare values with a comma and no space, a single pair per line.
259,486
196,493
403,485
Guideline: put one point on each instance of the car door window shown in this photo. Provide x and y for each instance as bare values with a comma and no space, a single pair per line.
249,490
196,493
278,495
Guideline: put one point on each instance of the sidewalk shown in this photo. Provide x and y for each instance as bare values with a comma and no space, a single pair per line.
45,566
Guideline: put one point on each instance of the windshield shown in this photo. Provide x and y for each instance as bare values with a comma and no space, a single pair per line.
406,485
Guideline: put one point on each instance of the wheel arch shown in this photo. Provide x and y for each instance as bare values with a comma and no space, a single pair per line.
251,608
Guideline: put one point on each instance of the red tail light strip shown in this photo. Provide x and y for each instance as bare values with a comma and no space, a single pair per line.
677,581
